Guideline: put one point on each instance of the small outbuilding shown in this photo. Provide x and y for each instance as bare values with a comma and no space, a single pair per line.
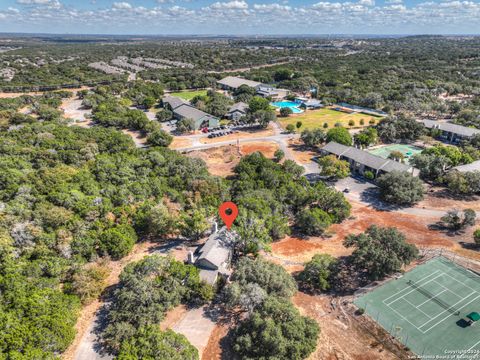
236,111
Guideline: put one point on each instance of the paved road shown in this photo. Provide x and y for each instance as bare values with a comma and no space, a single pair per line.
366,193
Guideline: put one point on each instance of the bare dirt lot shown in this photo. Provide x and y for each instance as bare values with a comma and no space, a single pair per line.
221,161
341,336
72,109
301,154
241,134
415,228
180,142
439,199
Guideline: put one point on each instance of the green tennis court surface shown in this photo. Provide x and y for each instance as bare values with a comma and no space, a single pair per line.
407,150
425,308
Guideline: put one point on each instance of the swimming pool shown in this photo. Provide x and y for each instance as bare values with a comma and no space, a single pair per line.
407,150
288,104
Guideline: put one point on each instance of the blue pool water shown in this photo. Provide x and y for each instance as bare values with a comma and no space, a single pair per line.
288,104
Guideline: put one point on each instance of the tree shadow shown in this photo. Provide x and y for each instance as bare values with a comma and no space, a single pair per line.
469,246
440,227
371,196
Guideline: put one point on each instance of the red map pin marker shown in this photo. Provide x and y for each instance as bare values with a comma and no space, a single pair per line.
228,212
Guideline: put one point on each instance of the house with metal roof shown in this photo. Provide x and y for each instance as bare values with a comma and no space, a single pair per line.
214,257
450,132
312,104
474,166
361,161
201,118
234,82
173,102
271,92
236,111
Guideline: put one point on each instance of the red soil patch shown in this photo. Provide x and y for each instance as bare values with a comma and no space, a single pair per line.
340,336
415,229
267,148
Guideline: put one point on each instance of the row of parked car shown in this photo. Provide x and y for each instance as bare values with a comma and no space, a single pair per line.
220,133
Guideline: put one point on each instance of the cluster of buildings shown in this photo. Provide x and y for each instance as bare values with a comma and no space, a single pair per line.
232,83
182,109
362,161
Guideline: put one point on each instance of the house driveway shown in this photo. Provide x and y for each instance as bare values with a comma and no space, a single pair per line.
197,326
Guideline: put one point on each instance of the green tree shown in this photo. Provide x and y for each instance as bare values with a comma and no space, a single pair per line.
279,155
159,138
285,111
194,224
339,135
476,236
456,220
380,251
313,221
258,103
330,165
290,128
400,188
118,241
298,125
276,331
400,128
185,126
164,115
151,343
312,138
318,272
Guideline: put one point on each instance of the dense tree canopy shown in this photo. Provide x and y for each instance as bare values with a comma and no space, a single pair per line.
400,188
380,251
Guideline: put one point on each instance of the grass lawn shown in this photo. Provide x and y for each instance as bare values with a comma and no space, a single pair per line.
189,95
312,119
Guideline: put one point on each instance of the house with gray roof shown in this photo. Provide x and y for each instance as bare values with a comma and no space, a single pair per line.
451,132
474,166
214,257
236,111
234,82
312,104
361,161
271,92
173,102
201,118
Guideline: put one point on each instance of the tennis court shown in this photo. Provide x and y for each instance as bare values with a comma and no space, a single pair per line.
425,309
407,150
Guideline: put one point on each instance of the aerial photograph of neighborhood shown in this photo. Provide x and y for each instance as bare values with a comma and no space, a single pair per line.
239,179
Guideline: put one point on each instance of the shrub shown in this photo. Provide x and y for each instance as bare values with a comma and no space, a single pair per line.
313,221
290,128
325,125
285,112
118,241
369,175
351,123
476,236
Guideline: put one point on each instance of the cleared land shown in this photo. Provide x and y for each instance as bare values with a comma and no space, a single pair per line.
189,95
425,308
312,119
221,160
241,134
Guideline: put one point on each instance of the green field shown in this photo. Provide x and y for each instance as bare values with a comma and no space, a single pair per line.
425,308
189,95
312,119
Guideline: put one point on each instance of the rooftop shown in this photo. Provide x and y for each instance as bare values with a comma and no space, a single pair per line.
450,127
190,112
240,106
174,101
474,166
235,82
365,158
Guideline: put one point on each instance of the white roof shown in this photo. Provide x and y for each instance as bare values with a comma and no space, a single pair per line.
474,166
235,82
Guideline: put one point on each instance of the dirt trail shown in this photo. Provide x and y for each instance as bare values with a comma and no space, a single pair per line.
87,314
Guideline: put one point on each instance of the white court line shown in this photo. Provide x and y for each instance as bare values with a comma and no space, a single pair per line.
430,299
406,288
446,317
416,307
461,282
404,318
474,345
391,302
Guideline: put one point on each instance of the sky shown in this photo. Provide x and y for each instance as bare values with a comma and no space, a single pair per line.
240,17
